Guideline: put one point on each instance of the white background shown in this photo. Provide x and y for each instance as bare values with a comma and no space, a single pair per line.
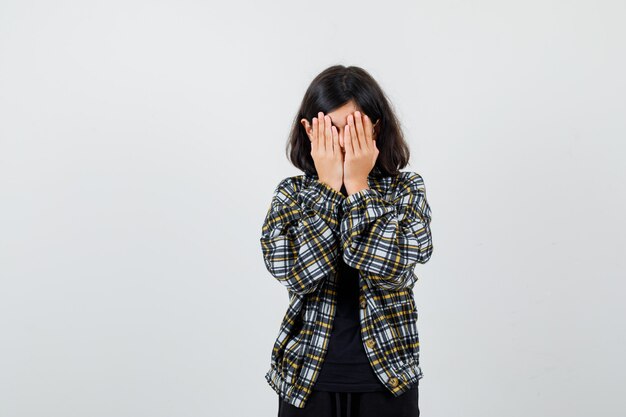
140,143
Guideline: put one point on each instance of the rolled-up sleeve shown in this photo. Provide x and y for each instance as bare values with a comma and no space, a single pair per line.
300,233
386,239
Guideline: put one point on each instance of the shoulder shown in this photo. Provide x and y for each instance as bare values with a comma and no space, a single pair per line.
288,187
295,182
411,180
406,182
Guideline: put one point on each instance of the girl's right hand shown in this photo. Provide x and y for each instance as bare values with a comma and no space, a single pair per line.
326,151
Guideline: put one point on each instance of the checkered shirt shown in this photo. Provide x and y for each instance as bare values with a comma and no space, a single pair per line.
383,232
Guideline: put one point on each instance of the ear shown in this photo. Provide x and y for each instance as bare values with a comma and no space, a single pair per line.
375,129
307,127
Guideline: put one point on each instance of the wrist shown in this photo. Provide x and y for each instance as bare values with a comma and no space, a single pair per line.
356,186
332,184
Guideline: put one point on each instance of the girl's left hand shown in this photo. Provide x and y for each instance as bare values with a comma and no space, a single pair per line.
360,152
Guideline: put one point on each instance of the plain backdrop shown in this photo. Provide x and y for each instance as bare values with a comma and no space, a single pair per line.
140,143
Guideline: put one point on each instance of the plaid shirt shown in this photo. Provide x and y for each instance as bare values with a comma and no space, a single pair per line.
384,232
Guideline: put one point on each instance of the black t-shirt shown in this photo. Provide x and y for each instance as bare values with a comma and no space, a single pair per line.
346,367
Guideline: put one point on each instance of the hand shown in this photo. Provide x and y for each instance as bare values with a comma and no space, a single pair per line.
361,152
326,150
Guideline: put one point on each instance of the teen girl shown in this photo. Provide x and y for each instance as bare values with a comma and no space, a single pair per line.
344,239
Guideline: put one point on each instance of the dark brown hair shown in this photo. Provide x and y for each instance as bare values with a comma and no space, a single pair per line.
333,88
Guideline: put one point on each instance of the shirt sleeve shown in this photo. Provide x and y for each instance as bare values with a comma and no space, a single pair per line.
387,239
300,233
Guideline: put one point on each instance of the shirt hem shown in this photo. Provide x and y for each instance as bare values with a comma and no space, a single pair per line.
349,388
409,375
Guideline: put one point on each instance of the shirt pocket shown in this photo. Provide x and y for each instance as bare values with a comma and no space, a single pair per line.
401,313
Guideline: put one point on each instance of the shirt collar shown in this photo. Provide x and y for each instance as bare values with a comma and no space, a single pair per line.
373,173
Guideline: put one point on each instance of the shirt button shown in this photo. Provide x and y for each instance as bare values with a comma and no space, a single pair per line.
393,381
370,343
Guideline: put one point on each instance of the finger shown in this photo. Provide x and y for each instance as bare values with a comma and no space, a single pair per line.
367,126
358,123
336,147
328,134
320,130
347,141
314,140
353,135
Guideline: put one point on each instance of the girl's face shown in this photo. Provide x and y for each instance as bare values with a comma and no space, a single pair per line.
339,118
